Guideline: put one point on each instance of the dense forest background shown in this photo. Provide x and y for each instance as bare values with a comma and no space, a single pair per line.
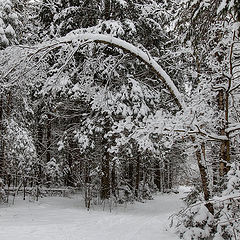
122,99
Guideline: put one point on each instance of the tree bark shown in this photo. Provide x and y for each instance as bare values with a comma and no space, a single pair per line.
157,176
4,109
223,104
39,147
2,160
113,179
105,179
204,177
49,133
131,174
200,156
137,176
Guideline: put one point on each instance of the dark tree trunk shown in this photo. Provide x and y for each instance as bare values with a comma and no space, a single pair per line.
49,133
5,108
204,177
225,145
137,176
105,179
166,170
131,174
215,169
2,160
69,177
39,145
170,174
157,176
113,179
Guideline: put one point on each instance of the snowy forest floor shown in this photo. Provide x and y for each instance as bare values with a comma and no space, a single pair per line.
61,218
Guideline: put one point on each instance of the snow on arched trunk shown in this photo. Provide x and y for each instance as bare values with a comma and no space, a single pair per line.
126,46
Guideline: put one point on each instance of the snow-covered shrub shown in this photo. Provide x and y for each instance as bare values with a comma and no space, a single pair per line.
195,222
20,149
228,207
146,191
193,196
124,194
53,172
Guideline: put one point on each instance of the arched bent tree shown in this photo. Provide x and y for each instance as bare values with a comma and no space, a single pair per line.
79,40
157,69
85,38
128,47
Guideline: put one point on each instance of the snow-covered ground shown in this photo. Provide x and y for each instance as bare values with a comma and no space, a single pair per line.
56,218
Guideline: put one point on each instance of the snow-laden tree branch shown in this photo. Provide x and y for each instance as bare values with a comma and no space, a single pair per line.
128,47
86,38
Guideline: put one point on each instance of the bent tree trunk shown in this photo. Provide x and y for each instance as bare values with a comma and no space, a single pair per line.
144,56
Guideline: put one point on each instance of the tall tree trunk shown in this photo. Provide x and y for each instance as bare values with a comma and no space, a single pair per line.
166,163
113,179
137,176
131,174
200,154
5,108
49,133
215,168
2,160
39,147
170,174
157,176
105,179
69,179
225,145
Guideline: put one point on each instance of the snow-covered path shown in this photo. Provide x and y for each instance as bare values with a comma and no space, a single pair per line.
66,219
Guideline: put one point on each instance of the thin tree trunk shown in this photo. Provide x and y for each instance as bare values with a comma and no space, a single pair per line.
131,174
4,108
49,133
69,176
204,177
215,170
200,156
166,175
113,179
157,176
39,144
225,145
105,180
137,176
2,160
170,174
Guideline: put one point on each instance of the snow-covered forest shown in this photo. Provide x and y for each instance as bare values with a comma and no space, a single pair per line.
121,117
